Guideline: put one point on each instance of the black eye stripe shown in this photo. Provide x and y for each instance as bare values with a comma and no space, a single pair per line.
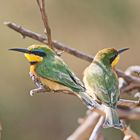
113,58
39,53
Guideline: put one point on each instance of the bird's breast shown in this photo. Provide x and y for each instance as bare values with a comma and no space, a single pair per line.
53,85
32,69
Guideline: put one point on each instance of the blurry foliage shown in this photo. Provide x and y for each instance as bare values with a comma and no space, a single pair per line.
86,25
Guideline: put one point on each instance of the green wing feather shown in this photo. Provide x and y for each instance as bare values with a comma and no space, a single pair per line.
104,83
54,68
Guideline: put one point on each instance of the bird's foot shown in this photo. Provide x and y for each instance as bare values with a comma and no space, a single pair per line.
120,126
37,90
35,79
41,87
117,126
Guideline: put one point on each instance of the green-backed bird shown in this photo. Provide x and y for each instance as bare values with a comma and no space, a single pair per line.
50,72
102,84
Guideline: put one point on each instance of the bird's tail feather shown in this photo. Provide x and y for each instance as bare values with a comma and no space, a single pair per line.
112,118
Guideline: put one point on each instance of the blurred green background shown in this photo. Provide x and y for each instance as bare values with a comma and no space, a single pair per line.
88,25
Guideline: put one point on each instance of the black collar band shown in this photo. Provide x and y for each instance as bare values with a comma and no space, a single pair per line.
33,62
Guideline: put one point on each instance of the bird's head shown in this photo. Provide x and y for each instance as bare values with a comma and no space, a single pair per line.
109,56
35,53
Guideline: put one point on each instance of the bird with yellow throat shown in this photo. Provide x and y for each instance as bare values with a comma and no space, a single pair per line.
101,83
51,73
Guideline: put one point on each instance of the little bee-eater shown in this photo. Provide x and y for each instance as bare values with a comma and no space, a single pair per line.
101,83
50,72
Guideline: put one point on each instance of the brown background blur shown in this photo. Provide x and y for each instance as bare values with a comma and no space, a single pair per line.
88,25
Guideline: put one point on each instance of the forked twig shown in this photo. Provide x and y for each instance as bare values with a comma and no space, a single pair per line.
41,4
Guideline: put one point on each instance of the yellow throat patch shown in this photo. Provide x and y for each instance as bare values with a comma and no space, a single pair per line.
33,58
115,61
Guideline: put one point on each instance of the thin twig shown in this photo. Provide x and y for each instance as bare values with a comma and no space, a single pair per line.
129,113
84,131
133,69
41,4
97,130
131,84
129,134
127,103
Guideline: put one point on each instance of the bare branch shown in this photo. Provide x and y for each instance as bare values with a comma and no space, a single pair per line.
130,82
132,69
128,78
129,134
41,4
128,103
128,87
131,86
28,33
97,130
84,131
129,113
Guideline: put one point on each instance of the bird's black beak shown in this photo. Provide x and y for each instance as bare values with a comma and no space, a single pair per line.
122,50
23,50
